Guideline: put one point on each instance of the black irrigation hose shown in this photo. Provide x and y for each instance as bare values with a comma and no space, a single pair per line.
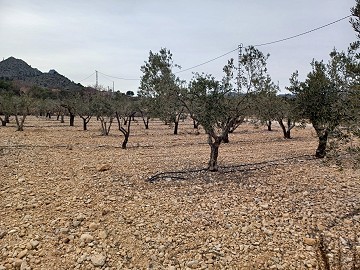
225,169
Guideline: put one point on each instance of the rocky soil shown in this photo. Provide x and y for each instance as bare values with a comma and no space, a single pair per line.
71,199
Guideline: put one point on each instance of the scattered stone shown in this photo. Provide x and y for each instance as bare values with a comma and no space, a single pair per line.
98,259
34,243
2,234
22,254
17,263
24,266
93,226
103,167
82,258
85,219
310,241
192,264
347,221
264,205
78,219
103,234
86,238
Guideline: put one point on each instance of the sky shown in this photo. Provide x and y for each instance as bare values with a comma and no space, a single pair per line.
115,37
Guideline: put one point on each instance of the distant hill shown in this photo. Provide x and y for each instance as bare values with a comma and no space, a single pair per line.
17,69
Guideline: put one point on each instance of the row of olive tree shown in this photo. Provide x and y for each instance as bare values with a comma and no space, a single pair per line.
328,98
218,106
105,106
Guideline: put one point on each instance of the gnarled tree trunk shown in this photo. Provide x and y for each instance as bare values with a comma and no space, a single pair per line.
125,132
286,130
72,119
145,119
268,124
226,138
321,149
20,122
86,120
3,122
214,142
176,127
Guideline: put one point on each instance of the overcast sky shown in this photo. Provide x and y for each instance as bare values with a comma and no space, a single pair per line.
114,37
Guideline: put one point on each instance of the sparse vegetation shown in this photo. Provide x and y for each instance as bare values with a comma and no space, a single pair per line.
159,205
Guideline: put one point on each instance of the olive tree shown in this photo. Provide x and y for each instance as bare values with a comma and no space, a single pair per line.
125,110
355,12
7,91
85,108
263,104
104,111
287,116
220,105
324,98
21,106
160,87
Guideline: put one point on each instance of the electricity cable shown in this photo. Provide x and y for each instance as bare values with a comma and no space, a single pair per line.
87,77
258,45
301,34
267,43
120,78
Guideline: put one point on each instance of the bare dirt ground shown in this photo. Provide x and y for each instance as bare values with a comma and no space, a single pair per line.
71,199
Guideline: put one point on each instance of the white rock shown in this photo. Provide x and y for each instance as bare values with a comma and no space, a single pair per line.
98,259
93,226
24,265
192,264
264,205
34,243
103,234
87,238
22,254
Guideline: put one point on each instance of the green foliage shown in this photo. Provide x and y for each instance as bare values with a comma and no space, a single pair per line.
355,11
8,88
102,105
42,93
217,105
265,105
159,87
329,97
253,71
317,97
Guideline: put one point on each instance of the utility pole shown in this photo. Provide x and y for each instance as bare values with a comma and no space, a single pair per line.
97,79
239,66
113,86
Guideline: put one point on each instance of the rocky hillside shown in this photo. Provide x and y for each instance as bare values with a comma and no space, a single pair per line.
13,68
17,69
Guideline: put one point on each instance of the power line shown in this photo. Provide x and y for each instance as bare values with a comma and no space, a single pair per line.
304,33
206,61
267,43
229,52
106,77
87,77
120,78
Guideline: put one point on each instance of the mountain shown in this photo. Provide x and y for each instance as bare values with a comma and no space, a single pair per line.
13,68
17,69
